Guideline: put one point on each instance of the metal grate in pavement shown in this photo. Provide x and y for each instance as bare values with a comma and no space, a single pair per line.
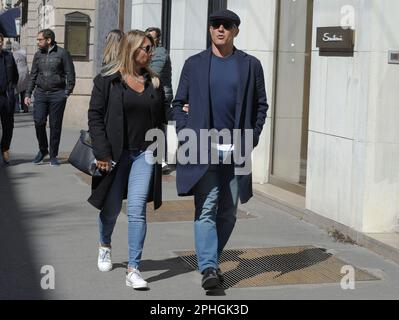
278,266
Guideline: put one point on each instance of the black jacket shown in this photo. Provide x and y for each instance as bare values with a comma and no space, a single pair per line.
52,71
11,77
11,69
106,125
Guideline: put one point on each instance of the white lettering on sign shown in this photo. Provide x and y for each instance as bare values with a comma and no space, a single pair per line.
332,38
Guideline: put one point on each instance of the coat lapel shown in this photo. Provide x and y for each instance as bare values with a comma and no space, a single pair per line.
116,91
243,63
204,78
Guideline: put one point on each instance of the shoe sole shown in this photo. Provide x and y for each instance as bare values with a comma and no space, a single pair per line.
143,287
105,270
211,284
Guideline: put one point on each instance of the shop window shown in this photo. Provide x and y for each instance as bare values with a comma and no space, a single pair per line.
77,35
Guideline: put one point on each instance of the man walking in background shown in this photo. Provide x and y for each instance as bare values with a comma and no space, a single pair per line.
53,77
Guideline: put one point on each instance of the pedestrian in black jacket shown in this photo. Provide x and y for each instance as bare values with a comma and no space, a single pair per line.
53,77
8,82
127,101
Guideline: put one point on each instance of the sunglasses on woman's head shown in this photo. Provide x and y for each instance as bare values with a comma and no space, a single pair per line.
228,25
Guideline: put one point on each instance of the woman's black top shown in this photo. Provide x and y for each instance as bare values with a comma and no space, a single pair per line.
137,110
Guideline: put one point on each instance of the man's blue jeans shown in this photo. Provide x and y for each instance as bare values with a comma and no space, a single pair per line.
216,201
136,170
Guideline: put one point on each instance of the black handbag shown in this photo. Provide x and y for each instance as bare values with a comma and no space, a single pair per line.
82,157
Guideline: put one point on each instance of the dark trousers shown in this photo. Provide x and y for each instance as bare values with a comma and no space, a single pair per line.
52,105
7,122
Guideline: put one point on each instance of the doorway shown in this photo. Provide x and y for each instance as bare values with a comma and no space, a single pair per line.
290,127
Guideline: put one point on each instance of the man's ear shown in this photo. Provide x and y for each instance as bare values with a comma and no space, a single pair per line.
237,32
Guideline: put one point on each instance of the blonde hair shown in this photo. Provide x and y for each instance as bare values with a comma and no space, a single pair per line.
112,44
125,62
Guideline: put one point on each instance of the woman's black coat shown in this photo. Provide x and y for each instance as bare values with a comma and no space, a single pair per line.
106,127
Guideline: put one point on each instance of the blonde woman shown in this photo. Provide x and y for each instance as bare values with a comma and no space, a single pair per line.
112,45
126,102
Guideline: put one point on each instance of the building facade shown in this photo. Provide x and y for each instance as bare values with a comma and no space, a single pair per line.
331,135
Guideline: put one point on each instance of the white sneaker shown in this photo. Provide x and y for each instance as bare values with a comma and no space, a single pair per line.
104,259
135,280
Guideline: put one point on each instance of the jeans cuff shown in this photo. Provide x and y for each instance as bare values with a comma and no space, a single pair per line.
206,267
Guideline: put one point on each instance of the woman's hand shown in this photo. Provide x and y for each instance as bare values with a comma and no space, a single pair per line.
186,108
105,164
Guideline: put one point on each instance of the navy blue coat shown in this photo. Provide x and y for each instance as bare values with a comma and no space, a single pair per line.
194,90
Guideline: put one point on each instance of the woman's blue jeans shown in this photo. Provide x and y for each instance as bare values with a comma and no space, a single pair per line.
134,169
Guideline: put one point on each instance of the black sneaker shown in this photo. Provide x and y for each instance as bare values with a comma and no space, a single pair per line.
39,157
210,279
54,162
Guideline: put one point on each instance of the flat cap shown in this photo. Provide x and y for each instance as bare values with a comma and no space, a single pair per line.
226,15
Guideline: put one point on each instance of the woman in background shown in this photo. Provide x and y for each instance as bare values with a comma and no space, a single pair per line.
111,50
23,82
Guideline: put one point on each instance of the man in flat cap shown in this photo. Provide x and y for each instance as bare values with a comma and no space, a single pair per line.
224,89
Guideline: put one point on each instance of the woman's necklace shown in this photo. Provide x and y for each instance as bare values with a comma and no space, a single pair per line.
139,79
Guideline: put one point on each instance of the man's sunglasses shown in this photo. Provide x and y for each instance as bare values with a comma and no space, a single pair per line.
148,49
228,25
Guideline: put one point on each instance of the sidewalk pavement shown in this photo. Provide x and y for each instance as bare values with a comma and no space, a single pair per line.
46,221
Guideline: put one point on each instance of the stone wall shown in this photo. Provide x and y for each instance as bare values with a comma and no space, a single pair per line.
353,172
107,12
